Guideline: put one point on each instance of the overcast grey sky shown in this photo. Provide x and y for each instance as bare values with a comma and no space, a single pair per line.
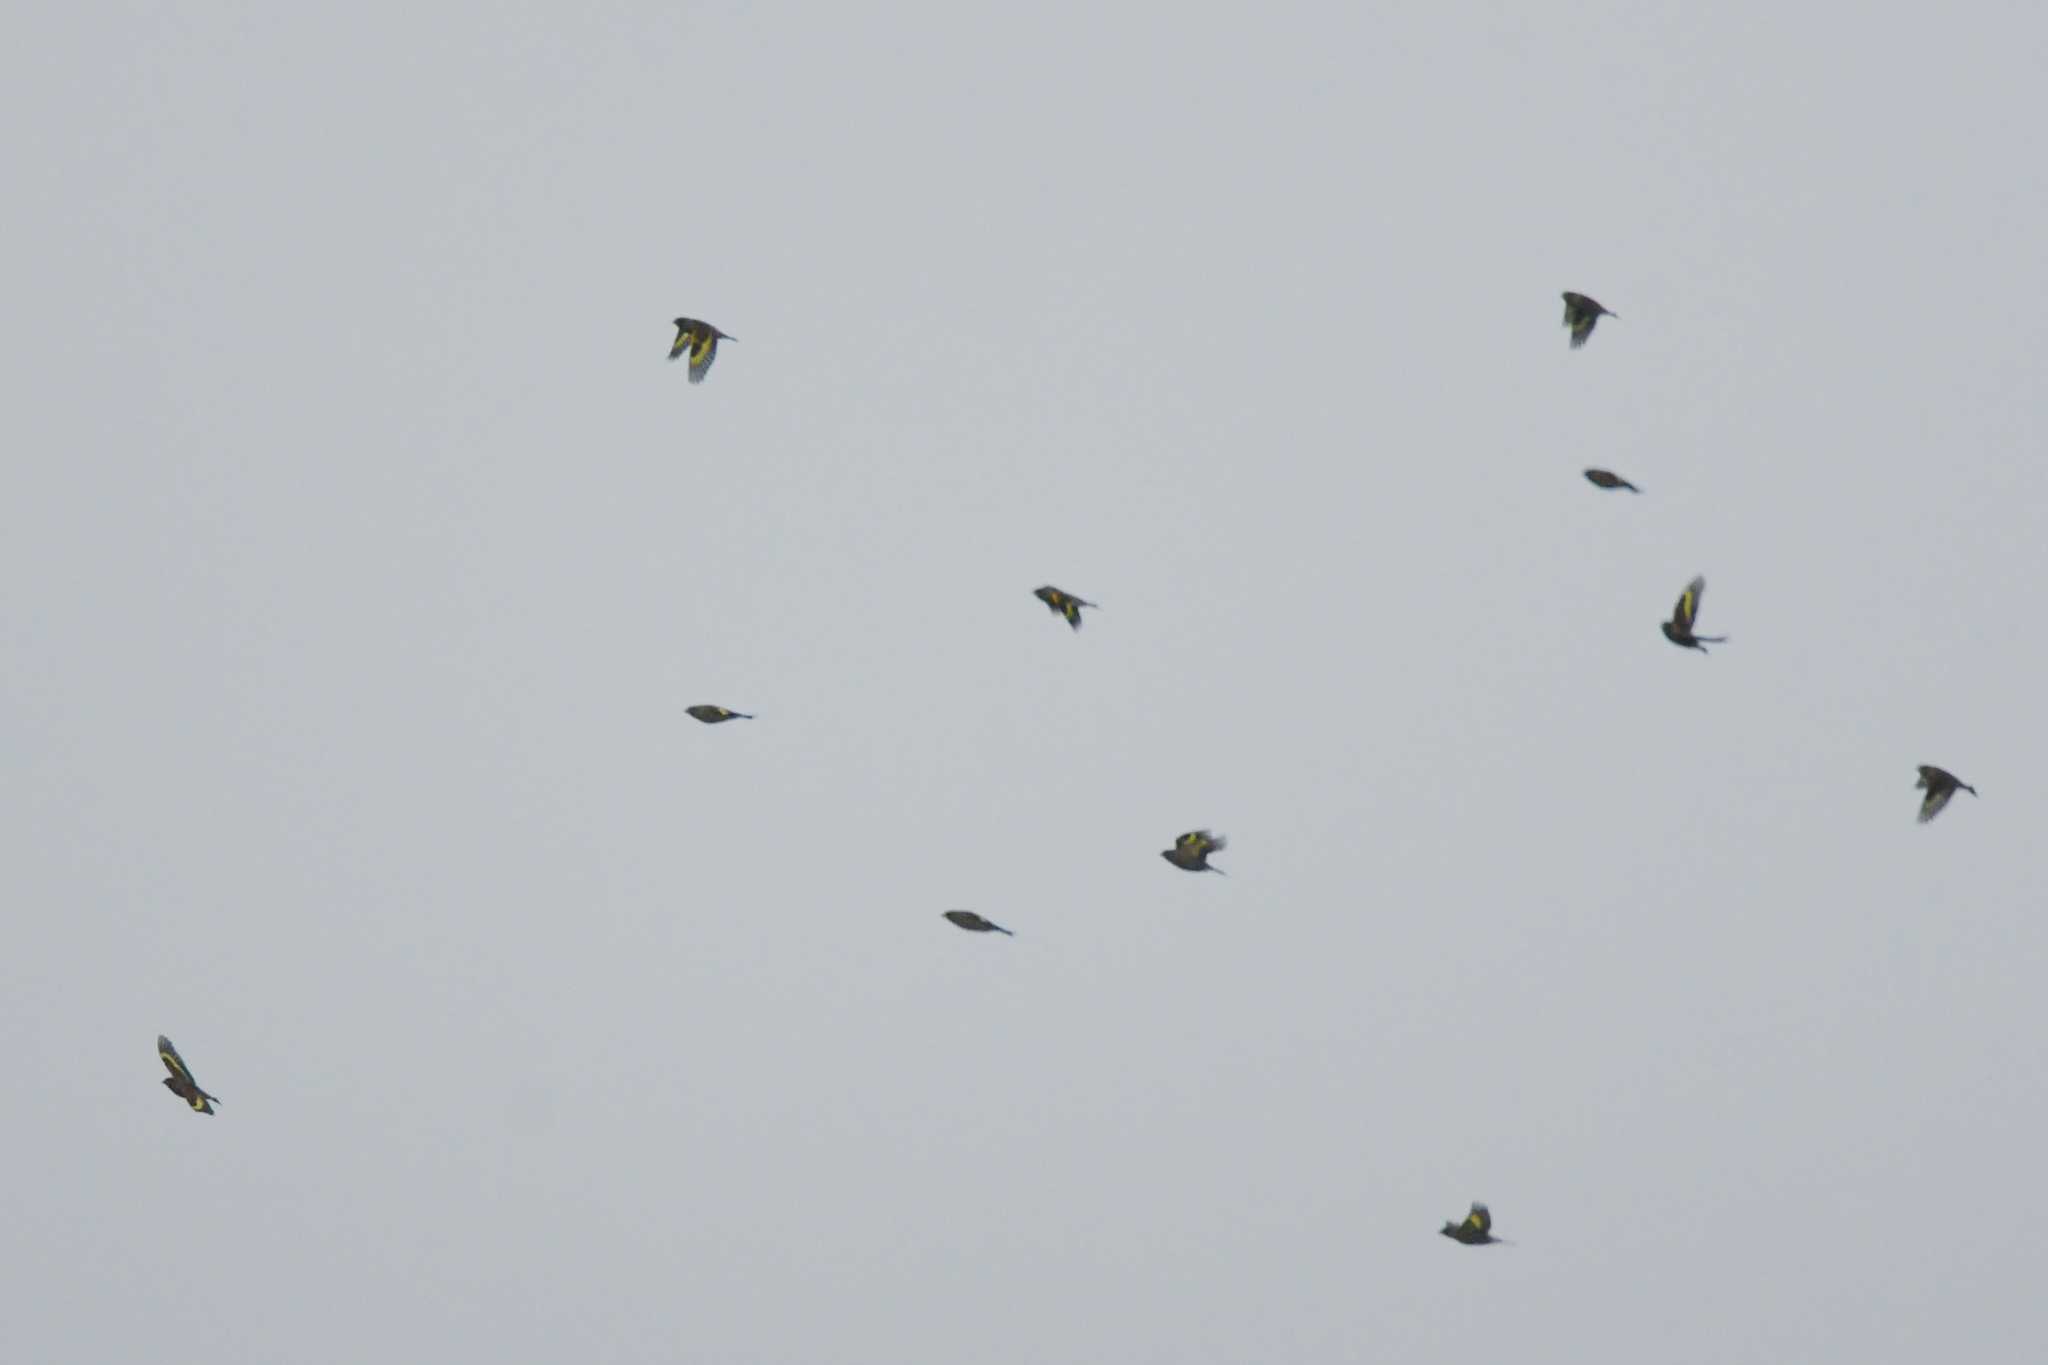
362,551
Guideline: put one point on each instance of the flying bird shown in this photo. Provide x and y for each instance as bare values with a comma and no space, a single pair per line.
1191,851
1476,1230
1063,604
1580,313
180,1082
1607,478
1678,630
1941,788
701,340
975,924
713,715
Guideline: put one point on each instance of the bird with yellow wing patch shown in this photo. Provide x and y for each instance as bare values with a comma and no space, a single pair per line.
180,1081
701,340
1476,1230
1063,604
1678,630
1191,851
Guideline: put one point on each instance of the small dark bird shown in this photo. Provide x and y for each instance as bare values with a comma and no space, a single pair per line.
714,715
1191,851
1678,630
1475,1231
1941,788
1607,478
1063,604
180,1082
974,923
701,340
1580,313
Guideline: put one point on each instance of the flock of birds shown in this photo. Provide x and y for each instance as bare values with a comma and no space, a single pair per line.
1190,852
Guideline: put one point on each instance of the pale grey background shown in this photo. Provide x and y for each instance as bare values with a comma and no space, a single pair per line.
362,552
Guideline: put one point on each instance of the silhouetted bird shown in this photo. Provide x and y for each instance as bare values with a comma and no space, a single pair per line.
1476,1230
1941,788
1607,478
180,1082
1580,313
1191,851
1063,604
713,715
1678,630
701,340
974,923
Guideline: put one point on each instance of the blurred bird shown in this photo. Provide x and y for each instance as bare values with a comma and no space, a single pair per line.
701,340
1476,1230
1607,478
974,923
713,715
1063,604
1580,313
180,1082
1678,630
1191,851
1941,788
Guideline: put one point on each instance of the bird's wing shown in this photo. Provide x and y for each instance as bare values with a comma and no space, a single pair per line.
682,342
1479,1220
1939,794
173,1062
1688,608
703,350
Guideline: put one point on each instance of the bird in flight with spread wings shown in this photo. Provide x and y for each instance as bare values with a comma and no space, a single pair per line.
1678,630
701,340
1063,604
1580,314
1476,1230
1941,786
1191,851
180,1081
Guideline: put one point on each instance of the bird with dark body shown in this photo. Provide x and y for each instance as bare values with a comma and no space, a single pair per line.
1476,1230
701,340
1580,314
180,1081
1063,604
1607,478
1191,851
1678,630
714,715
1941,786
975,924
